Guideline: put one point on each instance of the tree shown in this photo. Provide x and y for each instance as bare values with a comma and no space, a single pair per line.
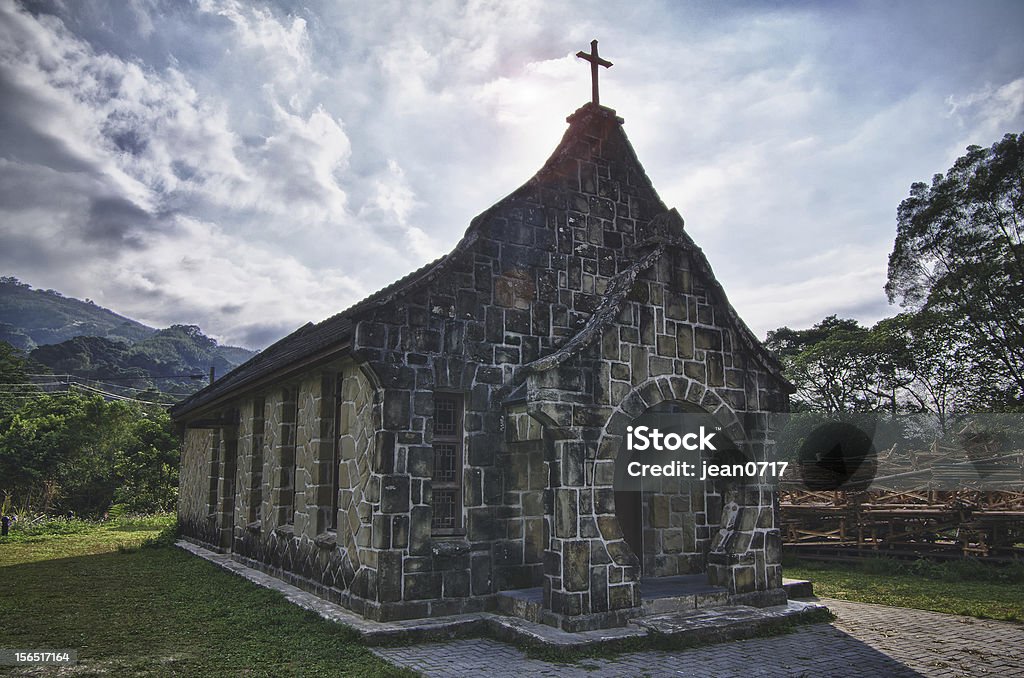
959,252
913,362
830,365
926,365
75,452
12,365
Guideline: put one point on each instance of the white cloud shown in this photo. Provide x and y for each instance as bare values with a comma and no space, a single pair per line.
248,166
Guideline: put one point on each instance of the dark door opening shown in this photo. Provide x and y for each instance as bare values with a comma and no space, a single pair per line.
629,511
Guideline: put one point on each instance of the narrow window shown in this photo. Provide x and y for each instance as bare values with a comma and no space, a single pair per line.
447,475
287,452
214,469
339,429
256,469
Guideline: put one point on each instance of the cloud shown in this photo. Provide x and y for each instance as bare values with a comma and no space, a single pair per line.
252,166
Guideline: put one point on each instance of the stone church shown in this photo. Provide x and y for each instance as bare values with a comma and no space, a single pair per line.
449,444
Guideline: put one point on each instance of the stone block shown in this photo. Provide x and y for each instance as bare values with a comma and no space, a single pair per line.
381,532
609,527
456,584
622,597
716,377
566,513
389,576
744,579
397,409
660,508
400,532
666,346
773,546
480,571
695,370
588,527
576,565
604,500
420,518
599,589
423,586
708,339
420,461
394,494
673,541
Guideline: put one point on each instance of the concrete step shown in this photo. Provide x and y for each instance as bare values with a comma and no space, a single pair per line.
798,588
658,595
661,595
729,622
680,603
522,603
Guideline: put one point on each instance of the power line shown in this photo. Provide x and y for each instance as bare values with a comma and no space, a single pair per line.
146,376
116,396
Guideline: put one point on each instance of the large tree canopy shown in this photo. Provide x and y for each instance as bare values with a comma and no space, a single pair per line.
829,364
912,362
959,253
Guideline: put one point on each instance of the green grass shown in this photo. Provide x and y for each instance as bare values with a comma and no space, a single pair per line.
133,610
957,587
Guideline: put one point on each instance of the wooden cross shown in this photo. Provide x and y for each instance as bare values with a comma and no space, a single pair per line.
595,61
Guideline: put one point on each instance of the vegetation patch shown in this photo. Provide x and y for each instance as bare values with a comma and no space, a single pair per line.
130,609
966,587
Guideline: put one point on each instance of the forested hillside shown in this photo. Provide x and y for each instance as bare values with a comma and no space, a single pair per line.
67,336
31,317
174,360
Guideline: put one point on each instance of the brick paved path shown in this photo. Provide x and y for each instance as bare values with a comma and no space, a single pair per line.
865,640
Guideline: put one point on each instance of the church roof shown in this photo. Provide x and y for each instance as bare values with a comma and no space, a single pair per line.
316,343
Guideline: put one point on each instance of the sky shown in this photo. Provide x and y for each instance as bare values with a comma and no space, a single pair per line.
251,166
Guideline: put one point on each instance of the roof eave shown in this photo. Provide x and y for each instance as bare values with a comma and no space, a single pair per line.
187,411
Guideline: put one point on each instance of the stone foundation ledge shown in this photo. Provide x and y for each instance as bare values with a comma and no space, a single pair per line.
694,627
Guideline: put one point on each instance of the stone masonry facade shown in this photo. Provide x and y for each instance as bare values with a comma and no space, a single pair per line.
568,310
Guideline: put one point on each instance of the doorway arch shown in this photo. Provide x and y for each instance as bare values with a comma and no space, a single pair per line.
669,527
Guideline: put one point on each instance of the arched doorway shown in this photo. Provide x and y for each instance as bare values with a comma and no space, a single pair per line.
667,521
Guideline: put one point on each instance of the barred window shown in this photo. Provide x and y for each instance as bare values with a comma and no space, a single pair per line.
445,465
445,509
447,476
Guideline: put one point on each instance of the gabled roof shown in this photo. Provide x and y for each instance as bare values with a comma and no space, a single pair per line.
332,337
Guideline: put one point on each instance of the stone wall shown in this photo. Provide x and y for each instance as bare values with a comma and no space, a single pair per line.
676,526
290,535
194,483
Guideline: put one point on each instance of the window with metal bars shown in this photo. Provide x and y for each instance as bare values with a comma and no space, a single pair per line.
446,481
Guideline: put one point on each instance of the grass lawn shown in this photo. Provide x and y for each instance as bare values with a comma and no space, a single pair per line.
972,589
159,611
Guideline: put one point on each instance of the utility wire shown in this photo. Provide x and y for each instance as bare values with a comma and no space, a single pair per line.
167,376
116,396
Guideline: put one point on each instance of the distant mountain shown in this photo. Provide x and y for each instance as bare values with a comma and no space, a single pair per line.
177,359
79,338
30,318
